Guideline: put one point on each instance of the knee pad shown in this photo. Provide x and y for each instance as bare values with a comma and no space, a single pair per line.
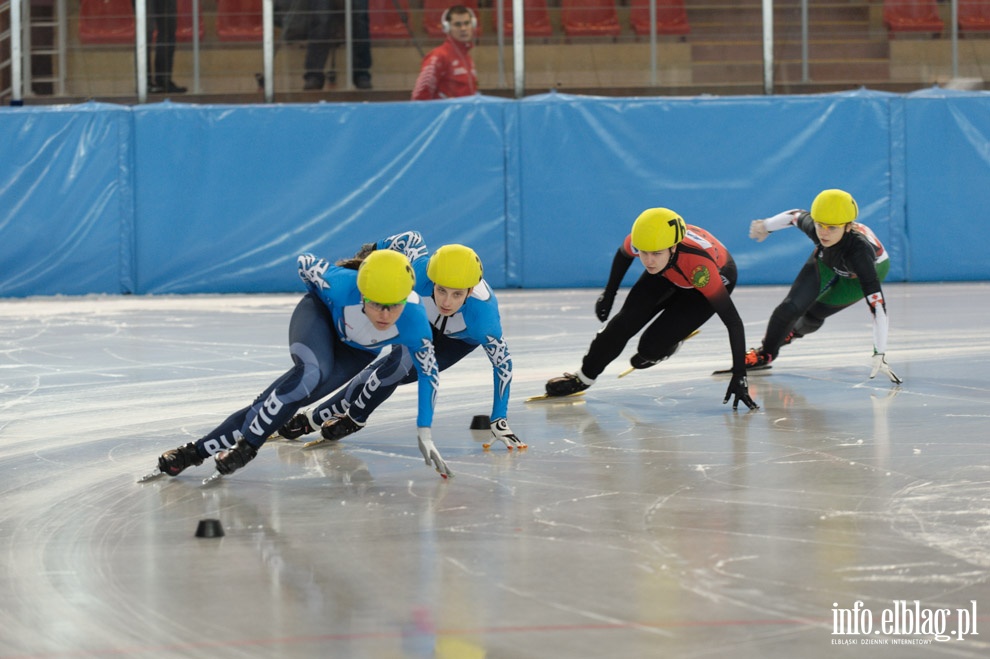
307,375
397,370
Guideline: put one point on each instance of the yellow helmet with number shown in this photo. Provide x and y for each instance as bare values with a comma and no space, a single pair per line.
834,207
386,277
657,229
455,266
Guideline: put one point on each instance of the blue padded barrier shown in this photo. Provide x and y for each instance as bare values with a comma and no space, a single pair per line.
174,198
720,163
66,200
229,196
947,183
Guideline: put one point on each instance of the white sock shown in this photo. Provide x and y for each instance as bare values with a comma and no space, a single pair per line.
584,378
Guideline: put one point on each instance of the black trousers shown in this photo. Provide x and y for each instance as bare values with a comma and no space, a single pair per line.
677,312
325,32
161,26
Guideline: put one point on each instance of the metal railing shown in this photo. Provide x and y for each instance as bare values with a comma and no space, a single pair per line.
763,46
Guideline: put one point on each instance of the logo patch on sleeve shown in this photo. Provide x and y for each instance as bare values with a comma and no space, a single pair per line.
700,276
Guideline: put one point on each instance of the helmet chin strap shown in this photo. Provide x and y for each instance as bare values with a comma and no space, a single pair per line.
671,261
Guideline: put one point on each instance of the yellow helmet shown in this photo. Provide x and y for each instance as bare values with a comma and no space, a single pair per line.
834,207
386,277
657,229
455,266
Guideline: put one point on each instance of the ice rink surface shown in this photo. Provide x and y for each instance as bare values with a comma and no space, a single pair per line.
646,519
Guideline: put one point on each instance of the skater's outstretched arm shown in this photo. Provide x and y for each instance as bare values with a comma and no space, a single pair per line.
620,266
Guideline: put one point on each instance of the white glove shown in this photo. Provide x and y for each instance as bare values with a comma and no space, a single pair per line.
431,454
311,271
503,433
758,230
880,366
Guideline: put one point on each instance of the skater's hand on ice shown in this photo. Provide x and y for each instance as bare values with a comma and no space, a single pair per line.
880,366
758,230
431,454
503,433
739,387
603,306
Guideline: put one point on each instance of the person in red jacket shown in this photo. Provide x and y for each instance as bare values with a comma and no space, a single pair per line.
689,275
448,70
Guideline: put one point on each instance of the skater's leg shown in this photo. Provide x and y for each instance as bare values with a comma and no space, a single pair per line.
814,318
685,311
646,299
806,288
312,343
373,386
369,388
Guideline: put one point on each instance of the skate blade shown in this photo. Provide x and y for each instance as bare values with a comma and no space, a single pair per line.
278,438
627,371
214,478
151,476
322,441
569,398
752,369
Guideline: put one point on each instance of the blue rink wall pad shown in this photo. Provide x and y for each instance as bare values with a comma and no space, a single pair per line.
174,198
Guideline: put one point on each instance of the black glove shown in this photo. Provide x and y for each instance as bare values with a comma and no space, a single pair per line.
739,387
639,361
604,304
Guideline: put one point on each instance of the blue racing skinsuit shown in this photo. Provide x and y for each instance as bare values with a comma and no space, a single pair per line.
330,341
476,323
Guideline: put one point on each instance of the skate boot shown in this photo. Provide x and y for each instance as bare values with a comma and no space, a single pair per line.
756,358
175,461
233,459
296,427
339,426
565,385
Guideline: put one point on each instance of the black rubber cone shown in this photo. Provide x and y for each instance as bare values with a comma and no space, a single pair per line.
209,528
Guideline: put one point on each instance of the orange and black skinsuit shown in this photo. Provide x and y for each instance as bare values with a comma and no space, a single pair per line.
694,286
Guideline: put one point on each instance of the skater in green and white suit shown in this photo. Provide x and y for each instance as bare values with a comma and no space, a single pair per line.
847,264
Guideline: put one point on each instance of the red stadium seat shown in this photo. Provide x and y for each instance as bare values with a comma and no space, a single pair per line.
589,18
112,22
239,20
433,11
536,18
671,17
184,27
974,15
387,21
106,22
912,16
